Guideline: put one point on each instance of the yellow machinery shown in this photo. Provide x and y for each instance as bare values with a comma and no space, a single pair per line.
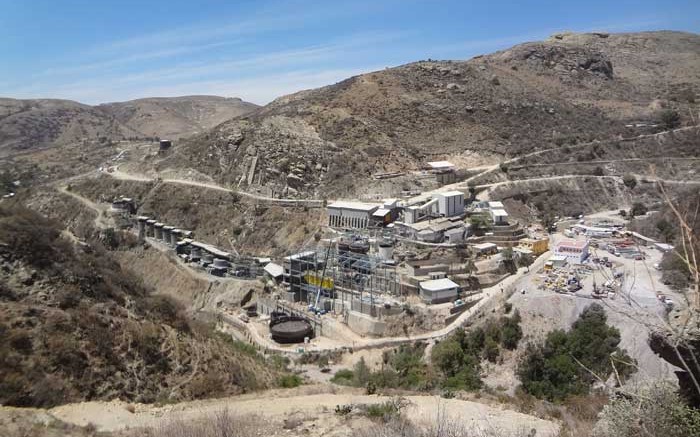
315,280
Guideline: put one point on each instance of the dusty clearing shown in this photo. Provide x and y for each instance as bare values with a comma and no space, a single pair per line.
316,411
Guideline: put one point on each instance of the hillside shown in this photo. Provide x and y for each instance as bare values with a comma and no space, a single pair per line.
29,124
176,117
566,90
76,325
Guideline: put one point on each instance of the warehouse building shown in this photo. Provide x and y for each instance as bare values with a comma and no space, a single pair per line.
353,215
575,251
438,291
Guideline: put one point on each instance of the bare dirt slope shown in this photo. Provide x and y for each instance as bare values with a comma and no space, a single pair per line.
314,411
562,91
175,117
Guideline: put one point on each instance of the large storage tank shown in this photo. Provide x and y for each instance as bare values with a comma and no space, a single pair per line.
289,329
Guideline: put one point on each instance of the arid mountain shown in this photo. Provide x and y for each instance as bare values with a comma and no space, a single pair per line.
29,124
566,90
176,117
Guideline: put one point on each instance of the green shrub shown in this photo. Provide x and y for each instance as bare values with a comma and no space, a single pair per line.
386,410
289,381
343,377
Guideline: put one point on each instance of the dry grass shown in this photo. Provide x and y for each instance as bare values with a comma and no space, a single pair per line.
221,424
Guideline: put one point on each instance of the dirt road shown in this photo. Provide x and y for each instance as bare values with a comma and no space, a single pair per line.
118,174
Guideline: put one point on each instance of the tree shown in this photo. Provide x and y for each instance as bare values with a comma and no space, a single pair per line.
525,260
511,333
480,223
491,350
666,229
562,366
448,356
638,208
669,119
629,180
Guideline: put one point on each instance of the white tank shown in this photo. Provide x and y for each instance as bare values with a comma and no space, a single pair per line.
386,251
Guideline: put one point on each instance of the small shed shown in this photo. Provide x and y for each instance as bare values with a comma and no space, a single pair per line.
438,290
485,248
274,271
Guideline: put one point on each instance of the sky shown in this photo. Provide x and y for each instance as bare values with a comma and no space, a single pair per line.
97,51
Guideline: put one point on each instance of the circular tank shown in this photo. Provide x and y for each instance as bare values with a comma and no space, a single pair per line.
289,329
221,263
386,251
343,246
359,247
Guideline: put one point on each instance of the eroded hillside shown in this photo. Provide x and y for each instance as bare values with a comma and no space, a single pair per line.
567,90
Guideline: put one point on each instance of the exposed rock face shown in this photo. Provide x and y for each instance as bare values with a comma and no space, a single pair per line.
689,350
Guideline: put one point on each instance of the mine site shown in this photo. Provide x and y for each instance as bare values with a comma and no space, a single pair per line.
500,243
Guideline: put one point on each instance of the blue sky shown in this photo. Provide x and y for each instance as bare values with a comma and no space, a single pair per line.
98,51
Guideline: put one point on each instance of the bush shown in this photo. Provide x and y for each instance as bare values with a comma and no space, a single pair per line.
386,410
656,410
638,208
598,171
669,119
289,381
343,377
491,350
629,180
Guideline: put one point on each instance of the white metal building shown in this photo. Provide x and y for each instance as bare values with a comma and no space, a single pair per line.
354,215
438,290
451,203
575,251
499,216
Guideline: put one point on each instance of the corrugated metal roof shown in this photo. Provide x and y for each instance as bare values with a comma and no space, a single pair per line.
274,270
440,164
357,206
438,284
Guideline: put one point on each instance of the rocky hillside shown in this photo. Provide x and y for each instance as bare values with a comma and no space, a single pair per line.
76,326
568,89
29,124
176,117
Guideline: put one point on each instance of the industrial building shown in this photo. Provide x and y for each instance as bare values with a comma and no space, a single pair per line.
450,203
435,230
444,171
438,291
537,246
485,249
352,215
447,204
575,251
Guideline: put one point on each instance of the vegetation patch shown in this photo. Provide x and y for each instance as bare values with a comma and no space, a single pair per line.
568,363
